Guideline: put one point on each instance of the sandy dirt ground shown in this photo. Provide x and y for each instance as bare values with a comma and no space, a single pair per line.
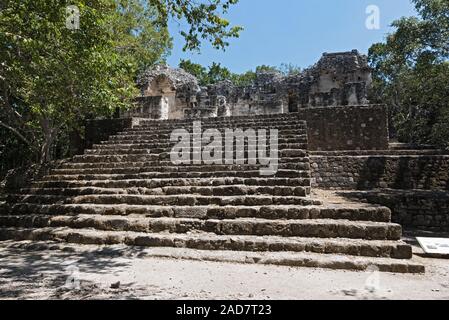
120,272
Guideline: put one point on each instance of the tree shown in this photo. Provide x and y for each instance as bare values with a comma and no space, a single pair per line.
289,69
202,18
411,74
196,70
265,68
52,77
244,79
207,76
217,73
139,38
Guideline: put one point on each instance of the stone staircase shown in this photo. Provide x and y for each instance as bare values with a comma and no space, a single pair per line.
127,191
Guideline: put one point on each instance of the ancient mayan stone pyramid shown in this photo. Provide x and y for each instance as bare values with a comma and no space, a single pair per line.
127,191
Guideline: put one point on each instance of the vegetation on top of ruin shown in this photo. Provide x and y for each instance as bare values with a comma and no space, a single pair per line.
216,73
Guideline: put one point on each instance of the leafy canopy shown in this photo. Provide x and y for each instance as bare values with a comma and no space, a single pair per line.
203,20
52,78
217,73
411,74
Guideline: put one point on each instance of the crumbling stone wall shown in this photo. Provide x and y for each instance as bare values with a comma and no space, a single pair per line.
347,128
146,107
424,210
165,94
362,172
329,128
337,79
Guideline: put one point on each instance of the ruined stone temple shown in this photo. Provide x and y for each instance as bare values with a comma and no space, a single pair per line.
338,79
124,187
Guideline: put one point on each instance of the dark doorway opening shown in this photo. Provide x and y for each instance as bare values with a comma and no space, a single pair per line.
293,104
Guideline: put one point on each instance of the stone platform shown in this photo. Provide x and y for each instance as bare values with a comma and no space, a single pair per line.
126,190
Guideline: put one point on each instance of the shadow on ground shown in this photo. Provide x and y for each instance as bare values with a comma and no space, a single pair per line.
44,271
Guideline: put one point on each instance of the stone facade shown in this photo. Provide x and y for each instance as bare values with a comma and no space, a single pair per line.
420,209
346,127
338,79
165,94
328,128
362,171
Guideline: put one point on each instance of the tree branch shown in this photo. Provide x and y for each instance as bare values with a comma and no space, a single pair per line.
17,133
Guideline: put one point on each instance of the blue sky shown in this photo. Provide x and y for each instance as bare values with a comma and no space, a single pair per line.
294,31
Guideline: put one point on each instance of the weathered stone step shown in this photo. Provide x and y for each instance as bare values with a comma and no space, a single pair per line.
166,138
180,182
231,190
158,145
289,228
217,121
167,134
281,132
292,259
280,127
293,118
148,233
117,158
165,147
172,168
166,141
380,153
193,150
148,164
228,121
123,151
169,145
160,175
298,130
225,125
378,214
285,155
165,200
165,158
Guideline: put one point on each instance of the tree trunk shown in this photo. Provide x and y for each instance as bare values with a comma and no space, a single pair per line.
49,138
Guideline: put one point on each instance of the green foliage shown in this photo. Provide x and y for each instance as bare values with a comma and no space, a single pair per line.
203,19
289,69
265,68
52,78
59,75
195,69
217,73
206,76
411,74
139,38
244,79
